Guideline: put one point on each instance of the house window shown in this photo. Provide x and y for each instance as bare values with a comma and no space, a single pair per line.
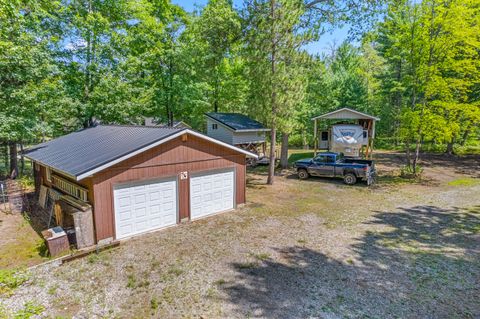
324,136
48,174
214,126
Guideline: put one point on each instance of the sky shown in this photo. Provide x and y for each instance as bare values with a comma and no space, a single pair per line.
326,41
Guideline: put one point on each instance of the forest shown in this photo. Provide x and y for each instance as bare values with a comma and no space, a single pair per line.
66,65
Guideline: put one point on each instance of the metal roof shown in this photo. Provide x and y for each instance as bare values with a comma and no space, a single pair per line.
85,152
237,121
80,151
346,114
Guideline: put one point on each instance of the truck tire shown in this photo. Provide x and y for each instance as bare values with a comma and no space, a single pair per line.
349,179
303,174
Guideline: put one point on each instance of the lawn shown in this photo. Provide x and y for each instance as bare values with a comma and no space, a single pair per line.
299,249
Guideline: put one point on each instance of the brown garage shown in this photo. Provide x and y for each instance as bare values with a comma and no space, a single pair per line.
139,179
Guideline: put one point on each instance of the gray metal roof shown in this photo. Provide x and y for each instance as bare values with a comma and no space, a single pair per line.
346,114
87,149
237,121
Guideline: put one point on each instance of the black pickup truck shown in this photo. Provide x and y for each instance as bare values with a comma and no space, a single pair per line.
335,165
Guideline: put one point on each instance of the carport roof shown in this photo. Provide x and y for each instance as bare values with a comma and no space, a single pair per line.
85,152
346,114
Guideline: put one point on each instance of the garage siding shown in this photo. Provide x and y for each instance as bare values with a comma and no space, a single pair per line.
167,160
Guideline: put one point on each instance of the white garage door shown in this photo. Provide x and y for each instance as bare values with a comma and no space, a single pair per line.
142,207
211,193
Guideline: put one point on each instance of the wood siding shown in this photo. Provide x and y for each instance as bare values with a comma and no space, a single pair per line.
183,154
221,133
248,137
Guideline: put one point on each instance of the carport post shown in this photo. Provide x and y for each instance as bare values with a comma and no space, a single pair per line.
315,141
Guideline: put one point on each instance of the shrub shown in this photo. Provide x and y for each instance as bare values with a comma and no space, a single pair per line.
407,171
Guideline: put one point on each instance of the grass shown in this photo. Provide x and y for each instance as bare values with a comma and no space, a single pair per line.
25,248
29,310
464,182
10,280
260,256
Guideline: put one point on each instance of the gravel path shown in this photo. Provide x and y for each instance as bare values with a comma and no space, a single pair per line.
299,249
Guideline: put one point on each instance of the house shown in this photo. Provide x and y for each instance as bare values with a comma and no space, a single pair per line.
150,121
139,179
235,128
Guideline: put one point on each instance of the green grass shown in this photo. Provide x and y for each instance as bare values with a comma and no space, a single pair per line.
464,182
10,280
30,309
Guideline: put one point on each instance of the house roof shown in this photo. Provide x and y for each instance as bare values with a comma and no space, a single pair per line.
150,121
346,114
176,124
83,153
237,121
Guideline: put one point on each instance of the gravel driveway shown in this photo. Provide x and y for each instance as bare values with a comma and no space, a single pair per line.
298,249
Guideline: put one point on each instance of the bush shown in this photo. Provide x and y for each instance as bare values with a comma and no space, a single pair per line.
26,182
407,171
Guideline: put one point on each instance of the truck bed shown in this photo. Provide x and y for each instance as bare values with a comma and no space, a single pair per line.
357,161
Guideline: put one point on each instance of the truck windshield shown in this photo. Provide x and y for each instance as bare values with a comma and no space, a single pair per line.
340,157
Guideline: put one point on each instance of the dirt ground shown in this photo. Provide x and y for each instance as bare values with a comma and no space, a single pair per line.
299,249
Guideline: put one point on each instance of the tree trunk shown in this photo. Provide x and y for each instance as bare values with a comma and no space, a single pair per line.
5,157
22,160
271,165
304,140
417,155
13,160
273,99
450,150
284,151
465,136
408,154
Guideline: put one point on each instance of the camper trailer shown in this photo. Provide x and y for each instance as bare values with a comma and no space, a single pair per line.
344,138
345,131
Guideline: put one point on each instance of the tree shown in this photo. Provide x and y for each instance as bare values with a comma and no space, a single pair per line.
28,77
432,47
273,43
217,31
94,33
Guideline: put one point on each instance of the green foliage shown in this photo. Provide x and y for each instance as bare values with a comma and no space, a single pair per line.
11,279
30,309
408,172
65,64
432,67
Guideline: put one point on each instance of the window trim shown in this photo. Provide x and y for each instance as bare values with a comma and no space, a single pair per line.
48,174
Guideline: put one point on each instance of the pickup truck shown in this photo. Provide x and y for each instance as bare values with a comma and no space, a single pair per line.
335,165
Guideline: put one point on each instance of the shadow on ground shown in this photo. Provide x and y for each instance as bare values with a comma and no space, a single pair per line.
424,262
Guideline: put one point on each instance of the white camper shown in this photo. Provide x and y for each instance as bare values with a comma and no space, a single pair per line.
353,140
347,139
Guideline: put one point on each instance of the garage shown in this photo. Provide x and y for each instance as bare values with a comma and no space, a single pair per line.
211,193
138,179
143,207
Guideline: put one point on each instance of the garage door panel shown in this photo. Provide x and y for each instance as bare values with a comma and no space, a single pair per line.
211,193
141,208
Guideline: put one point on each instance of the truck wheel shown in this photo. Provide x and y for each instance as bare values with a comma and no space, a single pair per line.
303,174
349,179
